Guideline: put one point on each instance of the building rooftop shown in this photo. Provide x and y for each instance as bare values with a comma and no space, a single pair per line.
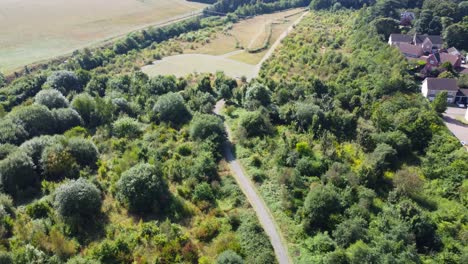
442,84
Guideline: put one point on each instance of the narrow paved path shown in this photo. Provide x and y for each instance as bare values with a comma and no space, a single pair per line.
248,188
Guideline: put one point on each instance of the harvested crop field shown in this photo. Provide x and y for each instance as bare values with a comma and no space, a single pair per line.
34,30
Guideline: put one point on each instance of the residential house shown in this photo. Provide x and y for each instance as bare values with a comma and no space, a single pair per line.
435,59
411,51
432,86
426,42
453,51
462,96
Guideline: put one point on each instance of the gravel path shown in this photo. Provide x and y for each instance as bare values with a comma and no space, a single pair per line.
248,188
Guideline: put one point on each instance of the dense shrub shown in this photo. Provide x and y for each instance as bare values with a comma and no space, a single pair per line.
17,174
319,205
51,98
85,105
254,242
64,81
171,108
206,126
78,200
203,192
126,127
66,118
142,188
12,131
84,151
6,149
6,258
57,163
35,146
254,124
229,257
257,95
36,119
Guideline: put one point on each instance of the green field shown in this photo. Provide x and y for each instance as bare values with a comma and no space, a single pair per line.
34,30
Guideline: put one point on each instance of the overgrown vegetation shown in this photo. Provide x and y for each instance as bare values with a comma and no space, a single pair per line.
348,154
101,164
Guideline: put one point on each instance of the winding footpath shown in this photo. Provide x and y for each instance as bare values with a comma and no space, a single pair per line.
248,188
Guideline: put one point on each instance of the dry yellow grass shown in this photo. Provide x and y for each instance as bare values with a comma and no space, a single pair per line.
221,53
33,30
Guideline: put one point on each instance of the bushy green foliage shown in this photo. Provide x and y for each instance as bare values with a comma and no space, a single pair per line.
229,257
51,98
85,105
58,163
12,131
440,102
254,124
255,244
78,199
6,258
84,151
126,127
206,126
17,174
257,95
64,81
36,119
66,118
171,108
142,188
203,192
320,204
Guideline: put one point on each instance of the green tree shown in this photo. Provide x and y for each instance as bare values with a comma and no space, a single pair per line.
320,204
78,200
58,163
36,119
17,174
51,98
2,79
386,26
84,151
440,102
350,231
229,257
422,24
85,105
142,188
253,124
66,118
257,95
12,131
456,35
203,192
127,127
207,126
64,81
171,108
